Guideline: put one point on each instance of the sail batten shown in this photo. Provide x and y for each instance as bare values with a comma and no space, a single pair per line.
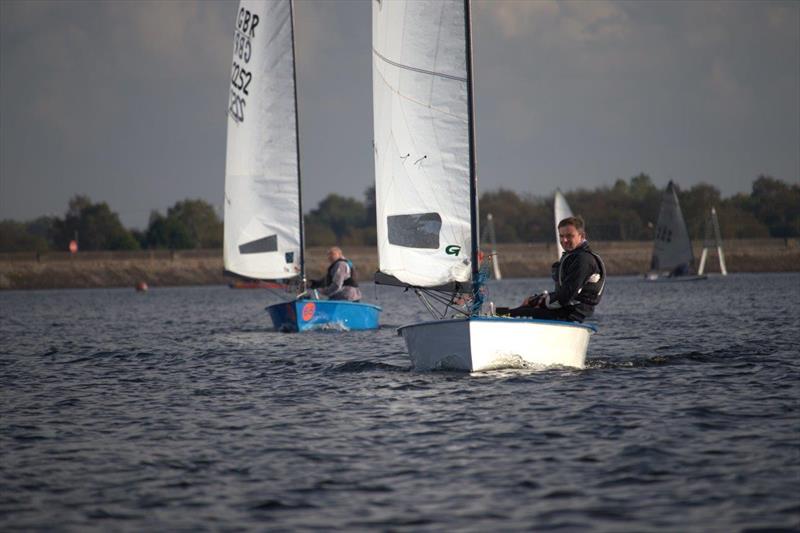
423,165
263,234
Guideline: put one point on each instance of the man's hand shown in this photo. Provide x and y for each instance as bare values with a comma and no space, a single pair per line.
462,299
537,300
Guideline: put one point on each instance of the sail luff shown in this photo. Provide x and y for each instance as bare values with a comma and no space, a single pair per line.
473,175
297,146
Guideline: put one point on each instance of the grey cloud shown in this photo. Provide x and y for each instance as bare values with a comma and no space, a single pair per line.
125,101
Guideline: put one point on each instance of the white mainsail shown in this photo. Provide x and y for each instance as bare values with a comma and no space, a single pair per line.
561,210
263,236
422,140
672,247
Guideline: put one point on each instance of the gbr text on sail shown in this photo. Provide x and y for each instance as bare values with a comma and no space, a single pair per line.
241,76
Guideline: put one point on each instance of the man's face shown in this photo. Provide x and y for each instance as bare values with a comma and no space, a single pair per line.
333,255
569,237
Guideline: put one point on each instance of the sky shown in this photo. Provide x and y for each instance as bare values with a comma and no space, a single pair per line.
125,101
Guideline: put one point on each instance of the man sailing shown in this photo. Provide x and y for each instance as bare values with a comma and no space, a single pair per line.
339,283
580,277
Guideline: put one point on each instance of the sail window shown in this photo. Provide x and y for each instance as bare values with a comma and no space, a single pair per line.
260,246
415,231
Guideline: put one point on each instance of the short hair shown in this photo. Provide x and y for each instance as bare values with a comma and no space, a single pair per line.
573,221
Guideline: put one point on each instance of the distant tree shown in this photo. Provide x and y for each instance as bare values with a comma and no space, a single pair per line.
516,219
201,222
165,232
696,204
370,206
140,236
43,227
94,225
16,237
317,234
736,222
340,214
188,224
776,204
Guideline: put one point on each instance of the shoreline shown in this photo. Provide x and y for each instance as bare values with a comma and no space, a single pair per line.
161,268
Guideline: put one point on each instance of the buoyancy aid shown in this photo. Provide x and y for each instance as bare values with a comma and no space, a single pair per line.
591,291
350,281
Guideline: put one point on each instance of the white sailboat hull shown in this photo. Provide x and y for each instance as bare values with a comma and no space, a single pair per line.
487,343
655,276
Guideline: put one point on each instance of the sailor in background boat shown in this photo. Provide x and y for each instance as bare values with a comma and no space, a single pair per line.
340,281
579,275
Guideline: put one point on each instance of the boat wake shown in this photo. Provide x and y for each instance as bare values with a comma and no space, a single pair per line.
366,366
687,358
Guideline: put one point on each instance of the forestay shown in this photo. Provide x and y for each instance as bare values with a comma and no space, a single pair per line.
561,210
262,194
672,246
422,141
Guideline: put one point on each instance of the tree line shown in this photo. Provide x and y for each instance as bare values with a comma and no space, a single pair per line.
626,210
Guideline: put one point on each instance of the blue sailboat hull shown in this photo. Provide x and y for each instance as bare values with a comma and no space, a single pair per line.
305,315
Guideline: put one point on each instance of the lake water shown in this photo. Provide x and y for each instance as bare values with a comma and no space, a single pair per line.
178,409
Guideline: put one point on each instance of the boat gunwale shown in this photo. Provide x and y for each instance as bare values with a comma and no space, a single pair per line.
591,327
337,302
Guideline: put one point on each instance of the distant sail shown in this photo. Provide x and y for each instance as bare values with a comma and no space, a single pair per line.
262,193
712,239
422,141
492,240
562,211
672,248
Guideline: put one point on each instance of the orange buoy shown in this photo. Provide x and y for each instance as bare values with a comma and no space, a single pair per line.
141,286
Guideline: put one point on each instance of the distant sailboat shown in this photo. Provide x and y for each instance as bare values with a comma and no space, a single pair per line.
426,195
263,207
672,249
492,238
712,239
561,210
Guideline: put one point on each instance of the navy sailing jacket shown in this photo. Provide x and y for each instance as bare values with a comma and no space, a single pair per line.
580,277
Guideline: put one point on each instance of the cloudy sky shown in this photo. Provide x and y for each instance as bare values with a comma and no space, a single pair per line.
125,100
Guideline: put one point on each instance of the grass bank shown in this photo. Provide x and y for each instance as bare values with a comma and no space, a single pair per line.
204,267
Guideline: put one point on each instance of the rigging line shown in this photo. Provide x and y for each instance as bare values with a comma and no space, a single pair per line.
418,70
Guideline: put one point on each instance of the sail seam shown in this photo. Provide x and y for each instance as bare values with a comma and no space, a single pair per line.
419,70
416,101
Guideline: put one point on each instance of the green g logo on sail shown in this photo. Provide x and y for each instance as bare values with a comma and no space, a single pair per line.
452,249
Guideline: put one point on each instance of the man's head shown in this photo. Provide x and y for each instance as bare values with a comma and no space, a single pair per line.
571,233
334,253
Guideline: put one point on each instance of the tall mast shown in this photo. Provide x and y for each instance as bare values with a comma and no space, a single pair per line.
473,175
297,146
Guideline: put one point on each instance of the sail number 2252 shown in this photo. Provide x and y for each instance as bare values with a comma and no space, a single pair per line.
245,32
240,78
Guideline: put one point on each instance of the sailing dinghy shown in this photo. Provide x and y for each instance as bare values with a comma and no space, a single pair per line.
263,207
561,211
712,239
672,249
426,196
